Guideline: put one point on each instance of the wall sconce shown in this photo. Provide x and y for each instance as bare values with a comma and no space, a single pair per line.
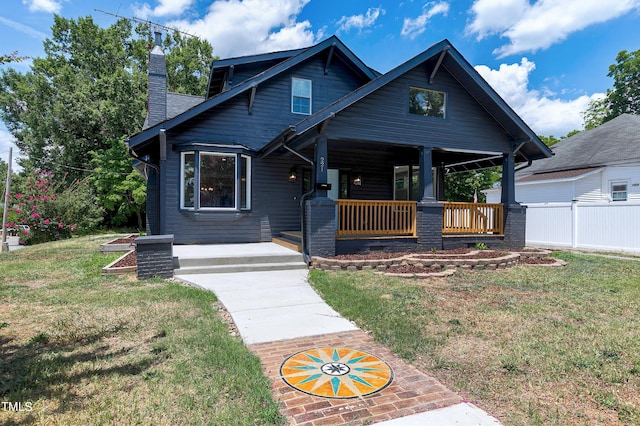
357,180
293,175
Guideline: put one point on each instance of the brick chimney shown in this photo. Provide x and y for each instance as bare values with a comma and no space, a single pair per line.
157,107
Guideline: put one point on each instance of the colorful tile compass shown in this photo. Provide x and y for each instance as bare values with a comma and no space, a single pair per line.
336,372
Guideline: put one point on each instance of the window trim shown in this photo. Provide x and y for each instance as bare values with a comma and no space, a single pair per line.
626,190
293,95
238,172
444,106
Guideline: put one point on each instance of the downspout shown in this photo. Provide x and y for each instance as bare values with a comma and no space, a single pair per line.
305,254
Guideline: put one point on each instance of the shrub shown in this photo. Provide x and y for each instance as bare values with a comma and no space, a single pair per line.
52,211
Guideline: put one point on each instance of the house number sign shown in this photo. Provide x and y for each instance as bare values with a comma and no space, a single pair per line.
321,164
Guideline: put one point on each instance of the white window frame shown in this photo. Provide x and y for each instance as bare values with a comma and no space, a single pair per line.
612,192
294,95
237,181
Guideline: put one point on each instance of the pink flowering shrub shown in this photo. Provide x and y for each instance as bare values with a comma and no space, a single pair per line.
38,208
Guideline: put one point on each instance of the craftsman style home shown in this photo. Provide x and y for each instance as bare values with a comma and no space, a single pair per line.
313,146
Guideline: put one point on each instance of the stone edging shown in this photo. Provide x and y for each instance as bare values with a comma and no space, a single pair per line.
446,264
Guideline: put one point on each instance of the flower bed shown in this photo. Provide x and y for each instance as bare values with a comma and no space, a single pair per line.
119,244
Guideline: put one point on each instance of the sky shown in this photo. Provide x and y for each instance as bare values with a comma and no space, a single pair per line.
546,58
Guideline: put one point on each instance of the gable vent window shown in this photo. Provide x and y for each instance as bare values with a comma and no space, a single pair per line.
215,181
300,96
430,103
618,191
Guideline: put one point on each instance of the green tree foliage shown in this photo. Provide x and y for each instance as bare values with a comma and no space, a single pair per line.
120,190
89,90
461,186
624,98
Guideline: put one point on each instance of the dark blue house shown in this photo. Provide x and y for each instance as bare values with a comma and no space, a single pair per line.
312,145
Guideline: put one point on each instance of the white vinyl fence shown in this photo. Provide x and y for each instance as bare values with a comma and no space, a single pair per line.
592,226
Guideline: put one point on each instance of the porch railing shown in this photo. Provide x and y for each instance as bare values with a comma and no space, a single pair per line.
472,218
383,218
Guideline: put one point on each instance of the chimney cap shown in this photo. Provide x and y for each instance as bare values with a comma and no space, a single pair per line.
158,37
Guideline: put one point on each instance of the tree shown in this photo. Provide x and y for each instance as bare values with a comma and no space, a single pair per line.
461,186
624,98
121,190
90,90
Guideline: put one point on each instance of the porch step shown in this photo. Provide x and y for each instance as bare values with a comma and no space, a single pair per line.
289,239
241,263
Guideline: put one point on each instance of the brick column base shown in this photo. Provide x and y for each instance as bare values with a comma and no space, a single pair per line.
321,227
154,255
429,225
515,225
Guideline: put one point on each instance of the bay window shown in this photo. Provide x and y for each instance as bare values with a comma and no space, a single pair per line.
215,181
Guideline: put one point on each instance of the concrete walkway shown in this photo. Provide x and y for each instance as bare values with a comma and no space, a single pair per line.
277,314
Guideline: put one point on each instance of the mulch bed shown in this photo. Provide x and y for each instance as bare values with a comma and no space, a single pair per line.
128,240
128,260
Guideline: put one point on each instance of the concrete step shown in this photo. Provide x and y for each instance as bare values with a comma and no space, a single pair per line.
239,267
219,260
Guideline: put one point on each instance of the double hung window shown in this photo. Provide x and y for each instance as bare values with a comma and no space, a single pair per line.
300,96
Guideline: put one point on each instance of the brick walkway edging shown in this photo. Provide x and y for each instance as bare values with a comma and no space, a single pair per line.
428,261
411,391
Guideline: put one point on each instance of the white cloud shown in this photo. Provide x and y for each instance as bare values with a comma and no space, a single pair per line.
164,8
361,21
244,27
23,28
413,27
50,6
531,27
543,112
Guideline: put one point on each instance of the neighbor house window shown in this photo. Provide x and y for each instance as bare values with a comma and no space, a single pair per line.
300,96
215,181
618,191
430,103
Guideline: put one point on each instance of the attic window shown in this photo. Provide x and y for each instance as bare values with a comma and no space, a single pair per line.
430,103
618,191
300,96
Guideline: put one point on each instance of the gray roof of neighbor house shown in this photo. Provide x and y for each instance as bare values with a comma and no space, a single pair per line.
615,141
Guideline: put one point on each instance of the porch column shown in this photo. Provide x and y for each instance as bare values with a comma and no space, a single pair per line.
429,210
426,176
508,179
320,211
440,174
321,159
515,215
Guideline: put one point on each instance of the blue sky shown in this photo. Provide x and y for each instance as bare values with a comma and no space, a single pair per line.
547,58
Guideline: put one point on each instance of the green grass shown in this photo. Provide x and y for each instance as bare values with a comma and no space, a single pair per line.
85,348
531,345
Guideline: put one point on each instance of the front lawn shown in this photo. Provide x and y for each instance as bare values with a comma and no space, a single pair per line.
530,345
79,348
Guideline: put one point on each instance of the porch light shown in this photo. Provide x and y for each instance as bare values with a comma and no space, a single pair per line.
293,175
357,181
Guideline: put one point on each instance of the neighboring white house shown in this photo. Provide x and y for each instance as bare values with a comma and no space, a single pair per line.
588,194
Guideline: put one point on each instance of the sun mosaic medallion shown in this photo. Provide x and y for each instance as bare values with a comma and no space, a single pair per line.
336,372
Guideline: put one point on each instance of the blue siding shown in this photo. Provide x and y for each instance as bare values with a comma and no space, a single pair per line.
384,116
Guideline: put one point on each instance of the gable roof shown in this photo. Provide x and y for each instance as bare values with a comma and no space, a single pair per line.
615,141
144,137
531,147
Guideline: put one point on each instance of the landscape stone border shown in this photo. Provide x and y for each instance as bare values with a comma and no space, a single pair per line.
447,263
